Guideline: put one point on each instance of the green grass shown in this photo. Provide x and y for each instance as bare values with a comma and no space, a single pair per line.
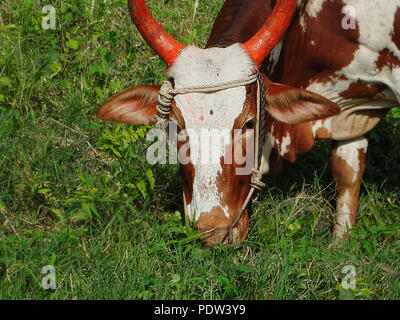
78,194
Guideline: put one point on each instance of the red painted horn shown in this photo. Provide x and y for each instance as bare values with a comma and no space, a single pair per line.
155,35
261,44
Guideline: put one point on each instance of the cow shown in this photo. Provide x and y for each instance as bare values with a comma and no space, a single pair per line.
318,69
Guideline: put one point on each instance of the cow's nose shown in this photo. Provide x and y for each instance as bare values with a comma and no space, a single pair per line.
214,238
225,236
217,228
214,226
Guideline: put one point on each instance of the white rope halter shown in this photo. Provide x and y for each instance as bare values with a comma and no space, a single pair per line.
166,95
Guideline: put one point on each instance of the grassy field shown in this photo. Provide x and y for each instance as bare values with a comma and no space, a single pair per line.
78,194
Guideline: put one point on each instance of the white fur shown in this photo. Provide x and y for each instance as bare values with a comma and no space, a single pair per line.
375,22
313,7
348,151
270,142
327,124
343,214
197,67
283,145
318,125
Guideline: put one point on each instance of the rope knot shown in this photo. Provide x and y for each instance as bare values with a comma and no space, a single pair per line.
165,97
256,181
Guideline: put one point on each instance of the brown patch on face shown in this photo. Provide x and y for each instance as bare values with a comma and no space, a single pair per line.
187,173
213,220
360,89
232,187
249,107
229,183
176,114
187,170
215,227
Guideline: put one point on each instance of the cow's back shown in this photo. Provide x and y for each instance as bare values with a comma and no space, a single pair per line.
347,51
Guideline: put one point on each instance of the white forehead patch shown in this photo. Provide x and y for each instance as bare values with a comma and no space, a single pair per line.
198,67
194,66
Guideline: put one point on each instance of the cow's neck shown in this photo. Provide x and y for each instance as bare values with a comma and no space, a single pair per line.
305,54
238,21
320,55
286,141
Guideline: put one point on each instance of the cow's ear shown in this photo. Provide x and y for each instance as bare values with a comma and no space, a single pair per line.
290,105
134,106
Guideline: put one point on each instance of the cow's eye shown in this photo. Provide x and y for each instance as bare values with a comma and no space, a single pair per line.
249,124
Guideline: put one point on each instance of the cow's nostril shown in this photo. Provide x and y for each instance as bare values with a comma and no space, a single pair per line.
219,236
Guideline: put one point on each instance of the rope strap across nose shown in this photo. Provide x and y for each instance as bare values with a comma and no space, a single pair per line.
164,106
167,93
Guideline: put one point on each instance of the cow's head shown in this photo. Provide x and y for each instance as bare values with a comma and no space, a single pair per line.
214,192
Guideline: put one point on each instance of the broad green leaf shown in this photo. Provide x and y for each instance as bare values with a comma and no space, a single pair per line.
44,191
58,213
86,208
5,82
176,278
141,185
98,92
55,67
53,259
96,68
72,44
150,178
81,215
